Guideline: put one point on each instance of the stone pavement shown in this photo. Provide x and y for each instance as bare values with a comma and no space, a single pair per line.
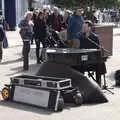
12,65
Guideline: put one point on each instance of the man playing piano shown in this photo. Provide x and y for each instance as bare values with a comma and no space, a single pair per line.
89,40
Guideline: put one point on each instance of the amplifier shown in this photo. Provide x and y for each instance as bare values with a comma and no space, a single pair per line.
41,91
39,97
41,82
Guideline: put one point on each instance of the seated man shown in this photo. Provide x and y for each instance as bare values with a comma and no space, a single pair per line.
89,40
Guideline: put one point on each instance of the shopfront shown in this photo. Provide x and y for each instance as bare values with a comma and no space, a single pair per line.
10,13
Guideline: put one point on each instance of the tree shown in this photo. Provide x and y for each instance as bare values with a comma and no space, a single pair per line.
85,3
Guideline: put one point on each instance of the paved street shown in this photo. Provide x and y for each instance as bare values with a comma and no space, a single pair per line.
12,65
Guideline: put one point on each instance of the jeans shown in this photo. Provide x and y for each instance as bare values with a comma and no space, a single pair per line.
37,41
0,50
26,50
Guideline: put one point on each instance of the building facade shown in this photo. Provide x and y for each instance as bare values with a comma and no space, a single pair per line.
2,7
14,10
21,8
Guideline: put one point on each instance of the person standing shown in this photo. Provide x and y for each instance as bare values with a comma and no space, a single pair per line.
3,26
2,35
40,34
26,32
75,28
55,20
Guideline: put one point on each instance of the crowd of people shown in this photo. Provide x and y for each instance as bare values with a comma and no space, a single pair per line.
50,28
72,29
35,26
40,24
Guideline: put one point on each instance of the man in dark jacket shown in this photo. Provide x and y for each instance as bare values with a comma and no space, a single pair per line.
89,40
40,34
2,35
55,20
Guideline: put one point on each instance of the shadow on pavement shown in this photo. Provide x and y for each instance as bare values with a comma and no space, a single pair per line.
14,46
33,69
25,107
40,110
11,61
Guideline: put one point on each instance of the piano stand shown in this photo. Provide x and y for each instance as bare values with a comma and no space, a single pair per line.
82,60
91,75
97,79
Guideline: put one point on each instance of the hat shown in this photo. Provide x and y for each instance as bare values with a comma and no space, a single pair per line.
55,8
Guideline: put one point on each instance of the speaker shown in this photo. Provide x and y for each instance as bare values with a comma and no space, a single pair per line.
89,89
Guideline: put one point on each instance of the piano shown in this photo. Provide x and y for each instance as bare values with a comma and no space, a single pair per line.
80,59
71,56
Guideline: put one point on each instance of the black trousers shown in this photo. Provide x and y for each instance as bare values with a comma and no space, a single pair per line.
0,50
26,50
37,41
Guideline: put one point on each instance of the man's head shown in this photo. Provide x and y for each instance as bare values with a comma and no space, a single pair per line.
87,26
79,11
41,14
28,15
56,10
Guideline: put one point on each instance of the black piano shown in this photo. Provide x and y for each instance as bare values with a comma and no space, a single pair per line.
80,59
71,56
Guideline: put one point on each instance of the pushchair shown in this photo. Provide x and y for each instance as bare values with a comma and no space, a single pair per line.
53,40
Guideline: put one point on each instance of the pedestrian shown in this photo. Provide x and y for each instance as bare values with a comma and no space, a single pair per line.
75,28
40,34
3,26
26,32
55,20
2,35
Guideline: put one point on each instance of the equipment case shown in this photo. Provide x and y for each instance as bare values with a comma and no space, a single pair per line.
40,91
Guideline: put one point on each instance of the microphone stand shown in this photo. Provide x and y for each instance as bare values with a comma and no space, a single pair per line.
103,49
99,46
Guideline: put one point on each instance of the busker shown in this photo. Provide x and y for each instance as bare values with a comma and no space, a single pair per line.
89,40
